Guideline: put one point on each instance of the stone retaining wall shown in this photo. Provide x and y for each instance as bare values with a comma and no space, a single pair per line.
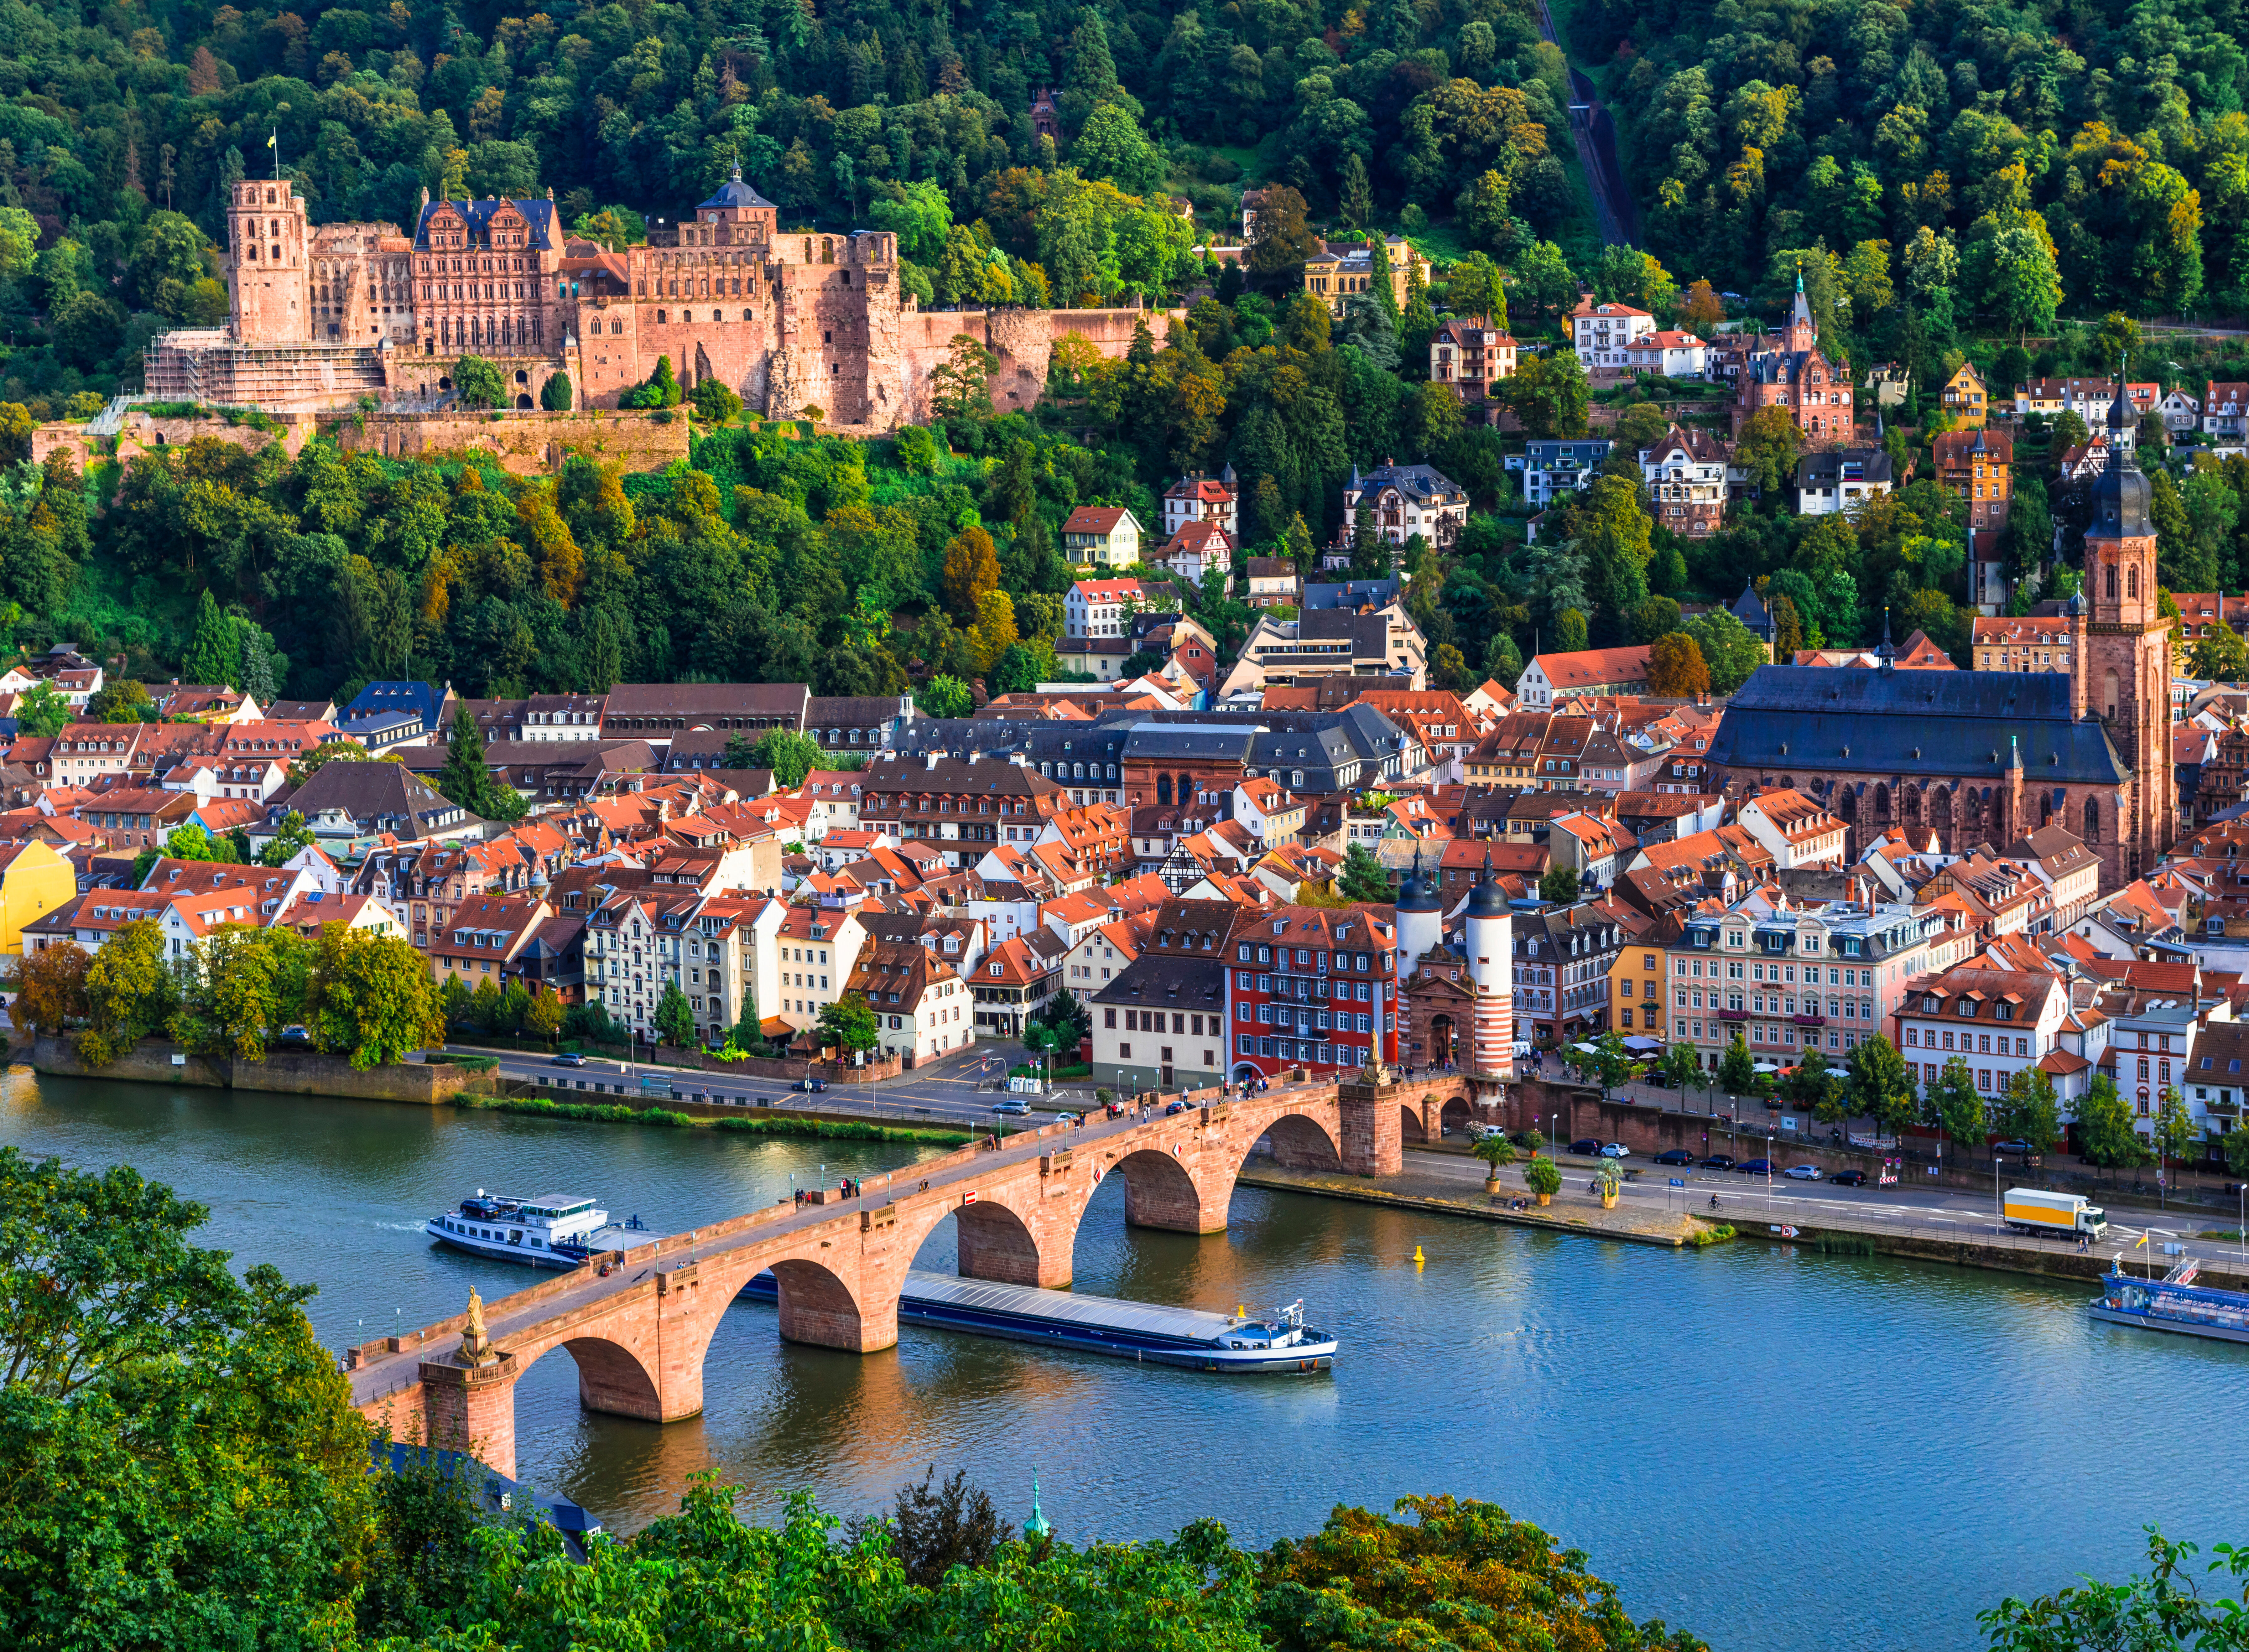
291,1073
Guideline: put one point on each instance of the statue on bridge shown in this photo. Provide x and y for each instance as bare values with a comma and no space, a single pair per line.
476,1346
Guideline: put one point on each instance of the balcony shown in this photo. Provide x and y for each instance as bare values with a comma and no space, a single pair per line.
1810,1021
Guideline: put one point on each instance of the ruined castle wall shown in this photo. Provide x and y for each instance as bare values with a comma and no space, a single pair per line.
525,443
140,434
1022,339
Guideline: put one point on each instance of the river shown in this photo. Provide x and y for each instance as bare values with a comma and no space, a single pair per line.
1776,1449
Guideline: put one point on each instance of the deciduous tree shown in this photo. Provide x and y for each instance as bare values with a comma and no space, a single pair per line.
846,1023
370,997
1675,669
1880,1086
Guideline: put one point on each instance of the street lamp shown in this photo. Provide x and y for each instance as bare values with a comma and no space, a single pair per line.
1998,1200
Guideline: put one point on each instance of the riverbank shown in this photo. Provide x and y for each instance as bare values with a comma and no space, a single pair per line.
1576,1212
1565,1215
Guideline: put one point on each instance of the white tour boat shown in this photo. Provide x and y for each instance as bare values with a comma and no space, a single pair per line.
554,1230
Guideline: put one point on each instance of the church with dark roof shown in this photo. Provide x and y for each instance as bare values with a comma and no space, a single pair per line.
1982,757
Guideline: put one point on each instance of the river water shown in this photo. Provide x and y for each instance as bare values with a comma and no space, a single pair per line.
1776,1449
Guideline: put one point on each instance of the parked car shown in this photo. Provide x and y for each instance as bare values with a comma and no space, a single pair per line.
1616,1150
1587,1146
2020,1149
1177,1106
1755,1167
1847,1178
568,1058
810,1086
1067,1118
1675,1156
1803,1173
297,1035
1013,1105
1719,1161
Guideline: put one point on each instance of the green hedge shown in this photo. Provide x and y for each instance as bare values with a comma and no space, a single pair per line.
617,1113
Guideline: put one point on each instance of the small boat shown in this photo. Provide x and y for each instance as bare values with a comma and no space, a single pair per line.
2173,1303
554,1230
1185,1337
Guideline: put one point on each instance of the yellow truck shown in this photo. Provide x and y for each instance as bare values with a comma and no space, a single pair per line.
2034,1211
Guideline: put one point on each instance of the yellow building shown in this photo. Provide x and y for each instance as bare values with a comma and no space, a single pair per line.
1342,268
1966,400
1636,978
34,880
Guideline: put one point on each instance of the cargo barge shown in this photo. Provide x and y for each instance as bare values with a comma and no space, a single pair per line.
1188,1337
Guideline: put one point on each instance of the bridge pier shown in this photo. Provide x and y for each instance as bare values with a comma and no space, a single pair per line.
1372,1124
472,1409
818,1308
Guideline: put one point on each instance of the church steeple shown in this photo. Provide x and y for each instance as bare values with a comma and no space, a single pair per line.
1802,334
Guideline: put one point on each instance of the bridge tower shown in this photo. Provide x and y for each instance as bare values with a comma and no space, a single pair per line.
1491,963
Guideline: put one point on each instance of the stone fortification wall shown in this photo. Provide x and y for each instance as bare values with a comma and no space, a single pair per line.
140,434
525,444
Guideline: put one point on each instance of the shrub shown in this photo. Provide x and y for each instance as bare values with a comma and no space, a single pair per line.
1543,1176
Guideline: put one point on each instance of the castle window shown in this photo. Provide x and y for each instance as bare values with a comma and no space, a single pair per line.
2131,582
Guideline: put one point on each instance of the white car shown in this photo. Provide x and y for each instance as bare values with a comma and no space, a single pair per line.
1616,1150
1803,1173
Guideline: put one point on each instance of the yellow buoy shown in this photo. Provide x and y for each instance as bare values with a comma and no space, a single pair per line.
1241,1312
1418,1257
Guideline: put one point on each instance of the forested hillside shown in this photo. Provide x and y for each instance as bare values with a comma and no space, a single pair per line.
122,128
2012,156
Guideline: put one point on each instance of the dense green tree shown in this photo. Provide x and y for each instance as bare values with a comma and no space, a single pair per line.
1362,877
465,779
790,756
477,382
181,1421
674,1022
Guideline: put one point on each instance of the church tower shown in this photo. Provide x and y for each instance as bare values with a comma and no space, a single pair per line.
2125,660
1800,335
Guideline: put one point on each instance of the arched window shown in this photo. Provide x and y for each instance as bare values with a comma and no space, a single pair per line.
2110,579
2132,581
1163,789
2092,820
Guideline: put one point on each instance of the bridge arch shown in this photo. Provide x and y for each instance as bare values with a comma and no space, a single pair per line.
614,1375
1007,1233
1161,1192
1300,1142
817,1306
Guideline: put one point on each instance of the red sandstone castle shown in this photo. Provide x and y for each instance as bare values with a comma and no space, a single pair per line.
324,315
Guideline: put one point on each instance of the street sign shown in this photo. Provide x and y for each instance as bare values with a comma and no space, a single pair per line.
1678,1182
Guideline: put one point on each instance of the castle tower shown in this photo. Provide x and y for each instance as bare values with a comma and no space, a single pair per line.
2126,659
1421,919
271,296
1491,965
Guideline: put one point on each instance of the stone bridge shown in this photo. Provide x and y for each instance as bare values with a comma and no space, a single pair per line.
639,1322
